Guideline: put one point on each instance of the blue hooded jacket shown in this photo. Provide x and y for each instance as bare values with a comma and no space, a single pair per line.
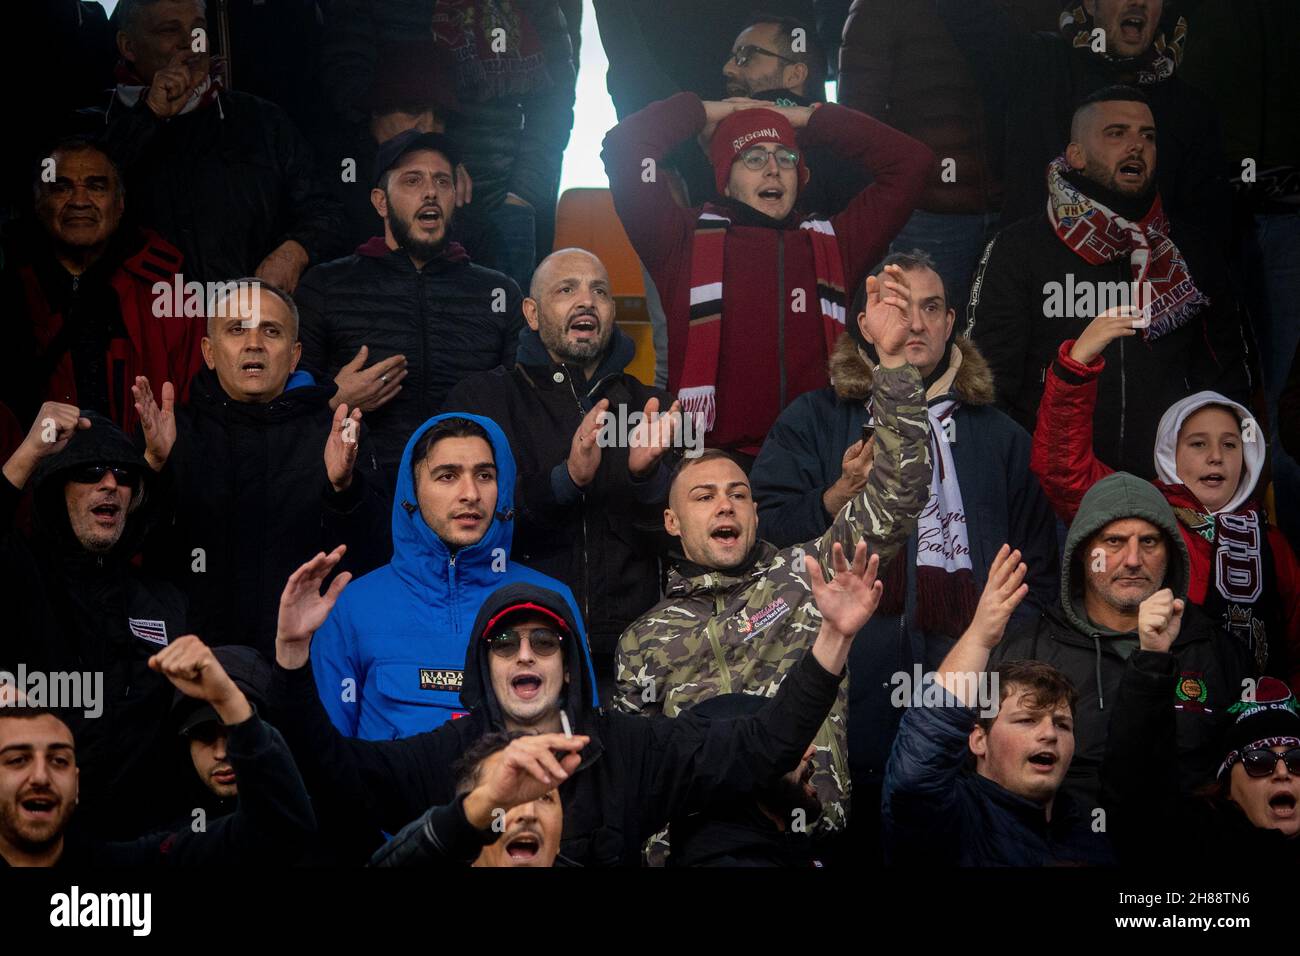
400,633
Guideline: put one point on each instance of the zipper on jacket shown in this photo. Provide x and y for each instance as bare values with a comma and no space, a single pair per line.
712,635
1123,400
582,495
780,309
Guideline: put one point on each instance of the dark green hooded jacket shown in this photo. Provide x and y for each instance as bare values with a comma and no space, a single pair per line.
1211,665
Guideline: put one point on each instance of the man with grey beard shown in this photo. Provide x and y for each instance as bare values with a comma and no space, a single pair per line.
76,603
589,497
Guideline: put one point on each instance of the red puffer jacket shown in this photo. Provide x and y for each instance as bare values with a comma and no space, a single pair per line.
1064,462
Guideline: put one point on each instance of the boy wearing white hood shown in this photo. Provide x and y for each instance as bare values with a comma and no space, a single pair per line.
1209,456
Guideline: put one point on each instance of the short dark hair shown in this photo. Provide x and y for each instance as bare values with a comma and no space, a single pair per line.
465,770
811,56
709,454
1115,93
224,290
447,428
10,710
1042,683
76,143
128,12
907,261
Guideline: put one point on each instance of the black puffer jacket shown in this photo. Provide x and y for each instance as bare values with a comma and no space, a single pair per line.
72,611
1008,319
251,492
226,183
599,541
635,773
450,319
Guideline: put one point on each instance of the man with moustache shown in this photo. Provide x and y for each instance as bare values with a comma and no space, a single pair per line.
587,499
408,315
78,283
1125,557
1043,280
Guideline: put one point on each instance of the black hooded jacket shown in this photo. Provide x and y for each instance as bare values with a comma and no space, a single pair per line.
600,540
74,611
252,502
635,773
1095,659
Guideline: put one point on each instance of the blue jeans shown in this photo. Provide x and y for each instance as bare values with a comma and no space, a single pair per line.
955,242
1270,261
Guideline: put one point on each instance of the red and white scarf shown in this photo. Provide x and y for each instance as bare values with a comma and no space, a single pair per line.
698,391
1098,234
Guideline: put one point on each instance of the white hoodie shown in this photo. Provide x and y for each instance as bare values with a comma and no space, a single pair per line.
1167,443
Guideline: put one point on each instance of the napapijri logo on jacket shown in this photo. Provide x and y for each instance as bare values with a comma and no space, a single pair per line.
434,679
155,632
756,622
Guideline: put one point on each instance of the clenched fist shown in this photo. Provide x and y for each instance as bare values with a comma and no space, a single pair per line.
1160,618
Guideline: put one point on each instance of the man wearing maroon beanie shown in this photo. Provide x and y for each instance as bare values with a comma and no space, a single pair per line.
755,293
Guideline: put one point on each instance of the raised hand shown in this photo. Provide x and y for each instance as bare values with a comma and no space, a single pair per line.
158,423
369,388
172,86
523,771
55,424
584,450
849,599
855,468
284,265
1003,592
303,608
888,314
341,447
195,671
652,437
1106,328
1160,619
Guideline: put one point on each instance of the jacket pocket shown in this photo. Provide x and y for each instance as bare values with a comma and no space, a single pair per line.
414,695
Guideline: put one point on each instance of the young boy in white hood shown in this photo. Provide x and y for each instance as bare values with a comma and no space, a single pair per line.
1209,456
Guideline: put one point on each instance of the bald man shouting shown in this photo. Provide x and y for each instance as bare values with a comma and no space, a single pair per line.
593,446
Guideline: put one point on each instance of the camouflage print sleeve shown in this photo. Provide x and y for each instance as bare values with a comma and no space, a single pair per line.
885,511
638,674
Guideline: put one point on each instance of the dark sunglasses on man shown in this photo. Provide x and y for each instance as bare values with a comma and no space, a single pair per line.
94,474
1261,763
742,55
542,640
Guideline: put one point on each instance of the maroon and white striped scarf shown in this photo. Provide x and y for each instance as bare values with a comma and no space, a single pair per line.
698,389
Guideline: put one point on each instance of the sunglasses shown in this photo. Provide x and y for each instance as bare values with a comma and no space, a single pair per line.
746,53
542,640
93,474
756,157
1262,763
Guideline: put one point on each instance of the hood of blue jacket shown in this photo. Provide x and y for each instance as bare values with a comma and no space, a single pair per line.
420,557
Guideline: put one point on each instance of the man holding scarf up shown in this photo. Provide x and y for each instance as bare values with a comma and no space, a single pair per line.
1104,241
754,296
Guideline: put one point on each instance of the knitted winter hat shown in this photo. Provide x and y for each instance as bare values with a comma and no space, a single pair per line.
743,129
1270,719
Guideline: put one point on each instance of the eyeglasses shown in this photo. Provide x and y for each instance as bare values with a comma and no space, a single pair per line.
93,474
744,54
755,157
542,640
1262,763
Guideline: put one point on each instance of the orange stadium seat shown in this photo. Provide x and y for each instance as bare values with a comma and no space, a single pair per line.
586,219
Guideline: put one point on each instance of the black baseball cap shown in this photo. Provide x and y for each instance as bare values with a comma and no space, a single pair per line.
251,673
409,141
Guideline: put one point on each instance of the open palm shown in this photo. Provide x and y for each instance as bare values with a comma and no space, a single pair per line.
849,599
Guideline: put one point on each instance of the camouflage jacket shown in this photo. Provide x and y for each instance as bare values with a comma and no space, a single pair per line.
719,633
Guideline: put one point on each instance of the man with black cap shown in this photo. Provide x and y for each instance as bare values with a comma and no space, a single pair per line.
755,293
527,669
78,605
408,315
272,823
